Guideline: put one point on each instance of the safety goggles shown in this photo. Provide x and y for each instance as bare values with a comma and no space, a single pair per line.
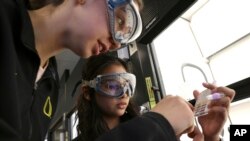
124,20
113,85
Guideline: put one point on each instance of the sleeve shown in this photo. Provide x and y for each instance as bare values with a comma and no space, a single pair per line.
148,127
9,117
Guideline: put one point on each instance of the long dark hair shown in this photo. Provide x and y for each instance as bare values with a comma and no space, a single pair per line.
91,124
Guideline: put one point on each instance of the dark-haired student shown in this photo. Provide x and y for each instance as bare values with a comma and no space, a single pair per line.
103,104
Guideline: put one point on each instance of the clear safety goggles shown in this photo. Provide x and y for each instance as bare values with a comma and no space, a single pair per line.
124,20
113,85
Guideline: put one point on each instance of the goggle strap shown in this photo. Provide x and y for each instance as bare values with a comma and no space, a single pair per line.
91,83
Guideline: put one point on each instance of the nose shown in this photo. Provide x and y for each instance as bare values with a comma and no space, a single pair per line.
114,45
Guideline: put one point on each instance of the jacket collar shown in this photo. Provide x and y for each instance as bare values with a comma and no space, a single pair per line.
27,33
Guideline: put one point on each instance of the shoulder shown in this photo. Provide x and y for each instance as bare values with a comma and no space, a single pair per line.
5,4
11,8
13,2
9,16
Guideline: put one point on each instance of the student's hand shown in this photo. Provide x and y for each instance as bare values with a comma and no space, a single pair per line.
212,124
178,112
196,135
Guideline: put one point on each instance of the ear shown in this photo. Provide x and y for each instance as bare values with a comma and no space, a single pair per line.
81,2
85,91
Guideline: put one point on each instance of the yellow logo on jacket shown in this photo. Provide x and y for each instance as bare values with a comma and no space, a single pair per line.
47,107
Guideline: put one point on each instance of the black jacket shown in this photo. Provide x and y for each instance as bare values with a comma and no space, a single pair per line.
148,127
26,108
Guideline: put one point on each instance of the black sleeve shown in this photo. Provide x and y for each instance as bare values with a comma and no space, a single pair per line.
9,116
148,127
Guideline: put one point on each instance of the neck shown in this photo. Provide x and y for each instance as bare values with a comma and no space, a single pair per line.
47,30
112,121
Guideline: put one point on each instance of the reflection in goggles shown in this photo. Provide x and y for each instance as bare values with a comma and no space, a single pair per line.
113,85
124,20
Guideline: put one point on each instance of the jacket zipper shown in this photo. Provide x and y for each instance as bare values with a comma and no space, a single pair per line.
32,100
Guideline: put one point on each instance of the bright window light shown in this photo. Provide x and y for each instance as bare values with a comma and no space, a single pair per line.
174,47
220,23
232,64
